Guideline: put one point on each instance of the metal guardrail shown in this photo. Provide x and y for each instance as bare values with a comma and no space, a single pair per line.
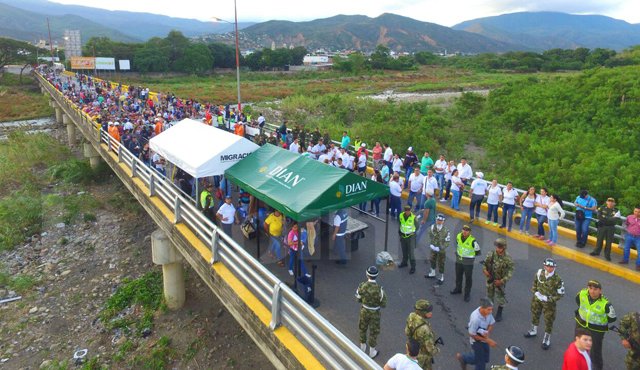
288,309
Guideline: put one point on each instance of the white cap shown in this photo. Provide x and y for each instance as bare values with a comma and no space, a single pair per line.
110,123
116,123
410,149
363,145
480,174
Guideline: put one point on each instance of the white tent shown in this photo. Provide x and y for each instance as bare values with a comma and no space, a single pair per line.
199,149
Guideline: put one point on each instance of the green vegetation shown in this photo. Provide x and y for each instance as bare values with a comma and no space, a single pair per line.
24,161
21,283
144,292
20,100
159,357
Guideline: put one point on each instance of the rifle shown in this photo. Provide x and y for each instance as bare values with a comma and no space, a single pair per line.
439,341
635,346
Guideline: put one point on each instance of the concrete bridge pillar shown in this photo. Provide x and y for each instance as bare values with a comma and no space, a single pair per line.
71,129
165,254
59,113
90,152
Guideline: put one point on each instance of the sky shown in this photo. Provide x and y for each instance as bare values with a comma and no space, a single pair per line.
446,13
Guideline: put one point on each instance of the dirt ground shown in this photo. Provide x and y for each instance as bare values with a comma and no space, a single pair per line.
74,269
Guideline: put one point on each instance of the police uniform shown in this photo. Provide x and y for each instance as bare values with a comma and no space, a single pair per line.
372,297
466,251
498,267
547,289
630,330
607,221
440,239
207,203
408,227
419,329
594,316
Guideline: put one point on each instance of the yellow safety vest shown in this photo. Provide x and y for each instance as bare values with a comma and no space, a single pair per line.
407,226
593,314
465,249
203,199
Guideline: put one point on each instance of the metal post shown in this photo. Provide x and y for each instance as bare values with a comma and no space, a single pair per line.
235,8
176,210
215,257
275,306
386,226
152,184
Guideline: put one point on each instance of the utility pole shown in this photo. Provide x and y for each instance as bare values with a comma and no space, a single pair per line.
50,42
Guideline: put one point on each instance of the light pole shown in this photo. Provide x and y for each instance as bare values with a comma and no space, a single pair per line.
235,24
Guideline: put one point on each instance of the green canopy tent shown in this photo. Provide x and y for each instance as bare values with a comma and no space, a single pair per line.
299,187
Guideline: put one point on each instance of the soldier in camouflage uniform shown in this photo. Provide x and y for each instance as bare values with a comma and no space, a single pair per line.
630,333
498,268
547,289
513,358
418,328
372,298
440,239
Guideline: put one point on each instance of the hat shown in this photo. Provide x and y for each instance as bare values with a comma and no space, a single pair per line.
549,262
407,208
110,123
116,123
410,149
228,196
515,353
500,242
440,217
423,305
466,227
611,200
594,284
480,174
372,272
363,145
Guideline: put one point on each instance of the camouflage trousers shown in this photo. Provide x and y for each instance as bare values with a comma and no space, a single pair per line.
497,295
632,363
548,309
437,258
424,360
370,320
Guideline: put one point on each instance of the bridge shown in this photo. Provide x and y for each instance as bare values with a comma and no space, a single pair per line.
294,335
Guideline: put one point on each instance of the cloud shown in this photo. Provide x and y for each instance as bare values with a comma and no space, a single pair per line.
565,6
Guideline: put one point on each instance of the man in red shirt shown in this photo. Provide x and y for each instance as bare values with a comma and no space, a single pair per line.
576,357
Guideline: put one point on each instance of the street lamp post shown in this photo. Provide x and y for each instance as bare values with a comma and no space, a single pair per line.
235,24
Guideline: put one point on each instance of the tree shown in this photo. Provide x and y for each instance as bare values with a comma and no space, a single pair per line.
17,52
224,56
176,44
380,58
152,57
425,58
196,59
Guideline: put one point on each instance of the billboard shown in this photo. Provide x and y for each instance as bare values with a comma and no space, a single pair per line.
124,64
83,63
106,63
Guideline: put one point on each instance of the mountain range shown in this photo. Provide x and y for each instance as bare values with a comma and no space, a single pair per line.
533,31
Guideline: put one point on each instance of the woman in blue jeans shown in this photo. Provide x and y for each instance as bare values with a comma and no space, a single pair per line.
493,200
527,203
456,187
554,213
508,198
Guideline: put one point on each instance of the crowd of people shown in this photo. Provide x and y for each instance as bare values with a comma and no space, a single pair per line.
132,115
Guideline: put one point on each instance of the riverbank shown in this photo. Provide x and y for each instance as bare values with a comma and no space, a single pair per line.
22,101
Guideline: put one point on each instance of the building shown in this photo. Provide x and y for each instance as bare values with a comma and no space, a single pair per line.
72,44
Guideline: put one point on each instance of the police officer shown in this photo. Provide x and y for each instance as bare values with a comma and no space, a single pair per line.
498,268
372,298
594,314
466,252
207,203
608,218
408,227
513,358
338,237
630,333
419,329
547,289
440,239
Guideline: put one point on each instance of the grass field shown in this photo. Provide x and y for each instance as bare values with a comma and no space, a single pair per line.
267,86
21,101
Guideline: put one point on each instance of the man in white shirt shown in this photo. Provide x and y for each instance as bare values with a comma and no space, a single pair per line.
464,173
227,216
478,191
408,361
388,155
481,323
294,147
440,166
318,149
416,182
395,191
430,185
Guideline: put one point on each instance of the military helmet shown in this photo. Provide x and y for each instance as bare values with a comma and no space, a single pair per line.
423,305
500,242
515,353
372,272
549,262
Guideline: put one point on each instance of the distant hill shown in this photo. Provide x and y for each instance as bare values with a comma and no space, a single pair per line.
140,26
548,30
359,32
29,26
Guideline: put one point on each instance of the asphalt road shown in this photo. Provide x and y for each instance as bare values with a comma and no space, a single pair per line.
336,285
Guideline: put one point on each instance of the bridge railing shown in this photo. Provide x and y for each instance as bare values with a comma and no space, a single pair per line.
322,338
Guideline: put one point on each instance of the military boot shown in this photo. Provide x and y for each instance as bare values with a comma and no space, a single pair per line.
499,314
440,279
546,342
363,347
431,274
372,352
531,333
